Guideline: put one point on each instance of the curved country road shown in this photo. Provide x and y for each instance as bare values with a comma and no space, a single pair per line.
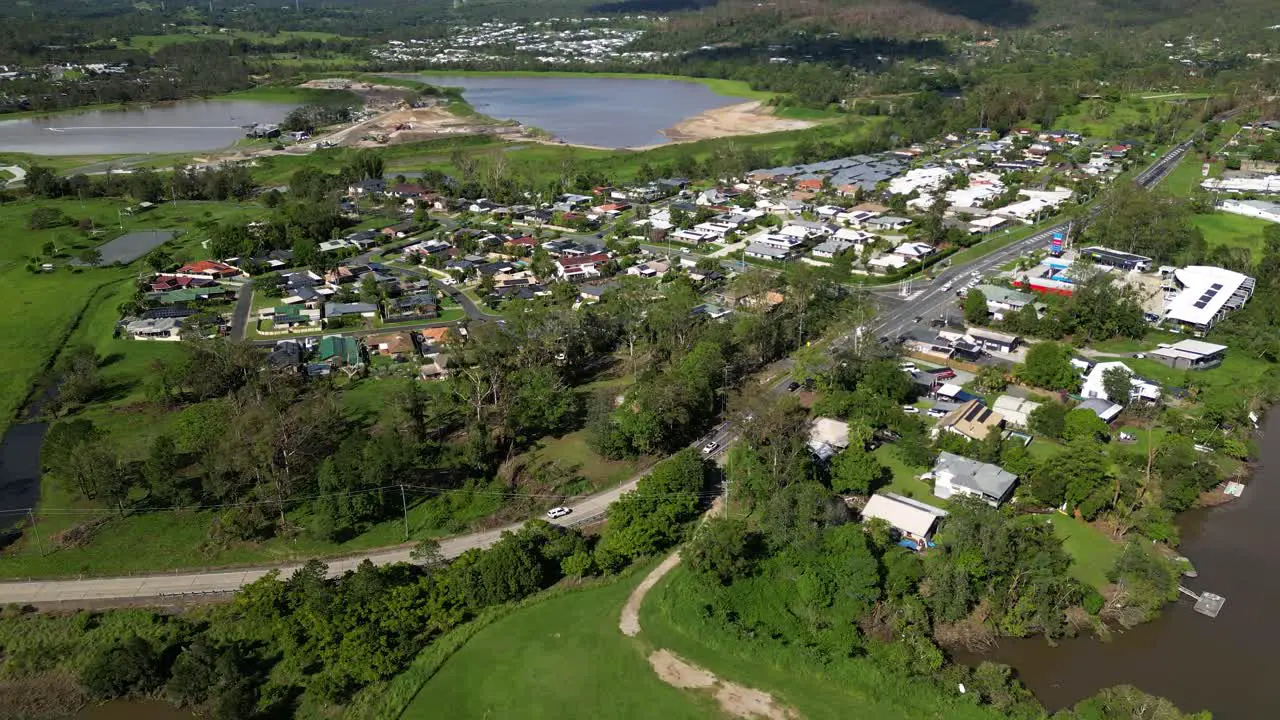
70,593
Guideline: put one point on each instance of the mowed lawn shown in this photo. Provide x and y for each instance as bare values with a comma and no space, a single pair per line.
1222,228
559,659
1092,553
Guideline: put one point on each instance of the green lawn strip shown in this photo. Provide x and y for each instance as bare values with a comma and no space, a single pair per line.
561,657
672,617
1092,553
997,242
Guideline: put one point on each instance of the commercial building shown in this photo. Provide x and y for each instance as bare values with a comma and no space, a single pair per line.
1116,259
1201,295
1261,209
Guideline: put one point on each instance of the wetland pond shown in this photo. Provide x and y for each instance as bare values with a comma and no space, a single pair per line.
183,126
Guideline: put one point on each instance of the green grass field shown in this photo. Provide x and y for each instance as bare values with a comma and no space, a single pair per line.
1221,228
672,618
1092,553
561,658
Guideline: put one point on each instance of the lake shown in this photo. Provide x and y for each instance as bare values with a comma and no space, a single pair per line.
601,111
183,126
1226,665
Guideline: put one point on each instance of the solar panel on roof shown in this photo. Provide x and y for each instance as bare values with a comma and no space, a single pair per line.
1216,286
1199,304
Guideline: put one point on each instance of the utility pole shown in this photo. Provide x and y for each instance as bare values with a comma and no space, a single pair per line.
39,540
404,506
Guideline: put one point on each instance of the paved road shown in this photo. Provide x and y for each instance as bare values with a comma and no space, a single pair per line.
69,593
892,321
240,315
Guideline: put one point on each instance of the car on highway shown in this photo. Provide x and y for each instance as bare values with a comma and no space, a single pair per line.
558,512
947,286
710,447
917,318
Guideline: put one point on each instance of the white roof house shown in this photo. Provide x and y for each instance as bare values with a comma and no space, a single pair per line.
922,179
855,236
1205,294
828,436
1261,209
1015,410
909,517
914,250
1093,384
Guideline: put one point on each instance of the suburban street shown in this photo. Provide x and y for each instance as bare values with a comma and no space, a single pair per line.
895,318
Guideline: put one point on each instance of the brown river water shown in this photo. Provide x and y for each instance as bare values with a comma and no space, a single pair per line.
1228,665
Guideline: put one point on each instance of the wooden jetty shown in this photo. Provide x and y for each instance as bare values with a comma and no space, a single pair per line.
1207,603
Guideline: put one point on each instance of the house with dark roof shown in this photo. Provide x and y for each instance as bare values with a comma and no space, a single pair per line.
418,306
340,351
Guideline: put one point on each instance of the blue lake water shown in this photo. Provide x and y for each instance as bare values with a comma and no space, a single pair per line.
607,112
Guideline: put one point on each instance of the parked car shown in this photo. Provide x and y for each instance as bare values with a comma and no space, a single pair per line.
793,386
918,318
710,447
558,512
911,409
936,413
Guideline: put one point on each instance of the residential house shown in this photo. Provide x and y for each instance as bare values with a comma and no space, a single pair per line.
400,230
761,251
972,420
289,316
580,267
911,519
286,356
1104,409
914,251
164,329
418,306
372,186
649,269
1189,355
831,247
1094,387
393,345
956,475
993,341
1002,300
355,309
1015,410
340,351
593,293
208,270
710,311
171,283
887,222
434,338
827,437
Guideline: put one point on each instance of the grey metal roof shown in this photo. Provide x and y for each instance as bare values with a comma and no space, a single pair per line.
981,477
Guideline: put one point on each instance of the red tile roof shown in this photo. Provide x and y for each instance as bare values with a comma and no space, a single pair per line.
593,259
206,266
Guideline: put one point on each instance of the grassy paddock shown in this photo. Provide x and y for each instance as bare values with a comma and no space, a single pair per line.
562,657
1222,228
1092,553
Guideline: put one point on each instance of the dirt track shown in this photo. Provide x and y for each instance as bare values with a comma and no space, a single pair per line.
737,700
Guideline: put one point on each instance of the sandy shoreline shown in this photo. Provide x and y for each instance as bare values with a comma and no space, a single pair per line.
748,118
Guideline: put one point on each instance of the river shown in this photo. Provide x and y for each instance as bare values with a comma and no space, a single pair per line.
1225,665
601,111
183,126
